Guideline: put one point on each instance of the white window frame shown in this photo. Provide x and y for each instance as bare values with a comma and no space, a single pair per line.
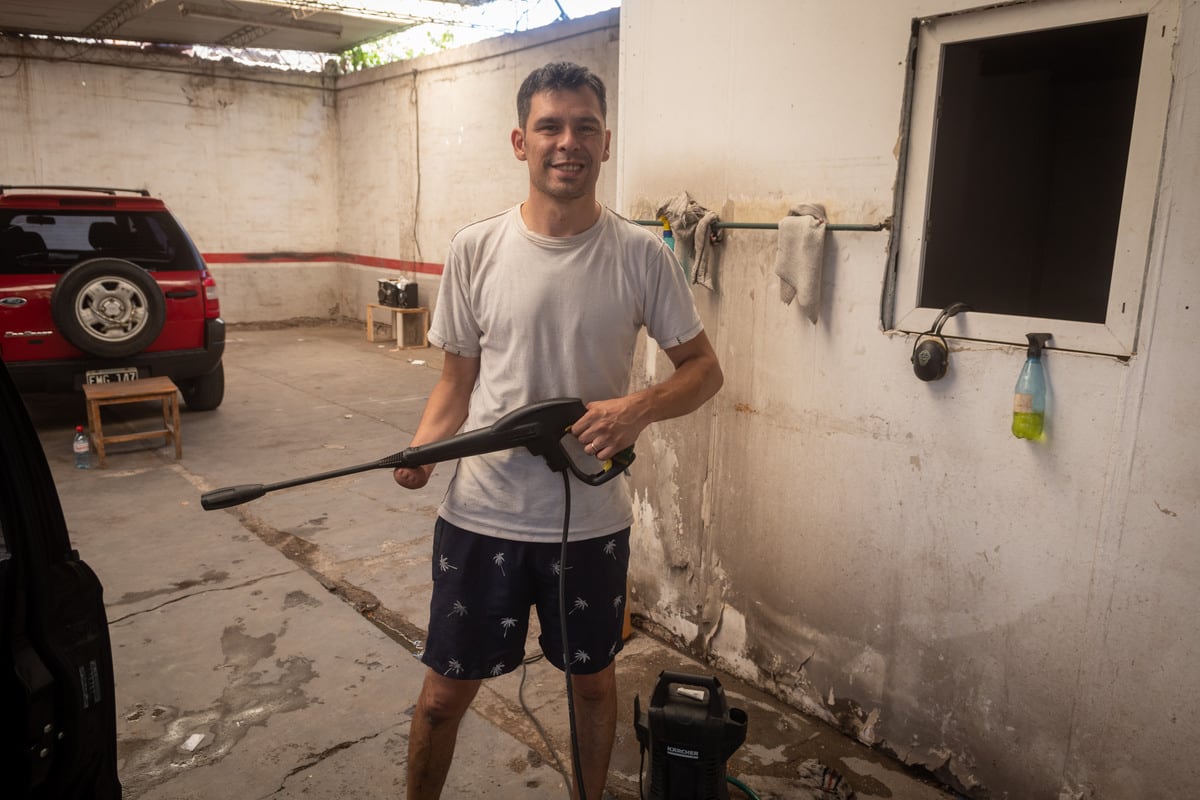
1117,335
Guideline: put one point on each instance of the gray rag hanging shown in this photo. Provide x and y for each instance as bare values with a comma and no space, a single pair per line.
706,253
692,226
798,260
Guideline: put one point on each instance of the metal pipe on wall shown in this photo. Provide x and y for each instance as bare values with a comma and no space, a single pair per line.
769,226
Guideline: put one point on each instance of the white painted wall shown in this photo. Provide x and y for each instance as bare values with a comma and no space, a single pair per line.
1018,617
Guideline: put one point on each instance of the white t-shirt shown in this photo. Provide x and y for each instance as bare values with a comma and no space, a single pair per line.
550,317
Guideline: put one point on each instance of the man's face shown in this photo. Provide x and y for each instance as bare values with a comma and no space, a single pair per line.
564,142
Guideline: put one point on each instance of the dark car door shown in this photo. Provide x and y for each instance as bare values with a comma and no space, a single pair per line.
58,736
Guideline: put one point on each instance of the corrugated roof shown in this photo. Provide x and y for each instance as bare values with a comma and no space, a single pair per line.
312,25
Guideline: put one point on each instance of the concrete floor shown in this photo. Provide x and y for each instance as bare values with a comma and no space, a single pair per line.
266,651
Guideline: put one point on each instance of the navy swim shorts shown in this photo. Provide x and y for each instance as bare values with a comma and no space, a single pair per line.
483,588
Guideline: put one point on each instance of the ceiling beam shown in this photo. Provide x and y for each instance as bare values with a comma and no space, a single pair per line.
111,21
224,14
425,10
244,36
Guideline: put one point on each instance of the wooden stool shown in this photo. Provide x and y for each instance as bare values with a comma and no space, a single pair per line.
397,323
99,395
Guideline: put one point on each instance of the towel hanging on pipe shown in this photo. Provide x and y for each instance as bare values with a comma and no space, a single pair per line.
799,257
692,225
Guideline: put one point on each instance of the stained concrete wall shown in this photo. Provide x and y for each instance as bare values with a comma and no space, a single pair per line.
1017,617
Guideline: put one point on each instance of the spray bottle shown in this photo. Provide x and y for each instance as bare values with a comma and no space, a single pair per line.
1029,398
668,235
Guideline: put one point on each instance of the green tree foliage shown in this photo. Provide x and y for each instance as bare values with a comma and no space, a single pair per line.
387,50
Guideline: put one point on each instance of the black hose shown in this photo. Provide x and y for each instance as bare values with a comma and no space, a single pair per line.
562,623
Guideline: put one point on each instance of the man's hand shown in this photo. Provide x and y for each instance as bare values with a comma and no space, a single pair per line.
412,477
610,426
445,411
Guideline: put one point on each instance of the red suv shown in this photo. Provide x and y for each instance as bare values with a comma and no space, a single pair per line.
103,285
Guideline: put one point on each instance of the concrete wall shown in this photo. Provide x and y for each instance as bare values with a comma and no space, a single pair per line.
1018,617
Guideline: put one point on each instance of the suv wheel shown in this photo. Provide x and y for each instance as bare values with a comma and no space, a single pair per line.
205,392
108,307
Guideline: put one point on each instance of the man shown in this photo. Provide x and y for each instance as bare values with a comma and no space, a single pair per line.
542,301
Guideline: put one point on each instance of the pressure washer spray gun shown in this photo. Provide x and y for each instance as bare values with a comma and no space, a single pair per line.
543,429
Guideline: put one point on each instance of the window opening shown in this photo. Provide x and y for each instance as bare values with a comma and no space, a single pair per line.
1031,145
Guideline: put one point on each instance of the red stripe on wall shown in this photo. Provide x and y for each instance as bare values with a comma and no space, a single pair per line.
315,258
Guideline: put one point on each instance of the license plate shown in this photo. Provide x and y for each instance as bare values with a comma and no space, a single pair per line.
117,375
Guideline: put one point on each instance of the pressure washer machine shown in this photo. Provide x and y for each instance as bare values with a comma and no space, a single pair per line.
690,732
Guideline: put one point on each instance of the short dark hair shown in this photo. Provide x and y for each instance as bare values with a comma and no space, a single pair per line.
558,75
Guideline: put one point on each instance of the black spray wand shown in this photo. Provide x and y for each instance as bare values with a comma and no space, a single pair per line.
542,428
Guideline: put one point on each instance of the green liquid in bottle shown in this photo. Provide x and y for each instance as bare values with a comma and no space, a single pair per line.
1028,425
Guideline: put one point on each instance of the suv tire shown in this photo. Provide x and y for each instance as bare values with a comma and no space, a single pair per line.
205,392
108,307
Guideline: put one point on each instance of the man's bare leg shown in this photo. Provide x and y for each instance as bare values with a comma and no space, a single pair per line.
596,727
440,708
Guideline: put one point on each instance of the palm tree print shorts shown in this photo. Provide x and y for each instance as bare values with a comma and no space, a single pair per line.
483,588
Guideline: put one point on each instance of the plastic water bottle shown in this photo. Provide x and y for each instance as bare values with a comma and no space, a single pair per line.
83,451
